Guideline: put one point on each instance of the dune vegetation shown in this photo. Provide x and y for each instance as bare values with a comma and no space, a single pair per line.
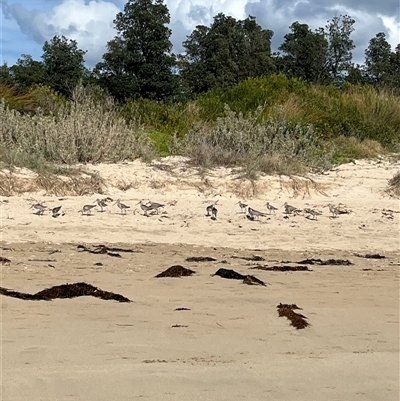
273,125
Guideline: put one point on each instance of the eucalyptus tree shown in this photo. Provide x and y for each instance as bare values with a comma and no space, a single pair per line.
323,55
304,53
6,77
139,61
225,53
63,64
378,57
27,72
340,45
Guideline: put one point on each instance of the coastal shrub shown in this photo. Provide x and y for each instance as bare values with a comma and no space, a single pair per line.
250,94
83,130
266,146
164,118
347,149
353,111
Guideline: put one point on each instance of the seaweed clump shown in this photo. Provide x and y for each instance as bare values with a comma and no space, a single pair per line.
251,280
176,271
331,262
253,258
297,320
370,256
65,291
233,275
284,268
229,274
4,261
200,259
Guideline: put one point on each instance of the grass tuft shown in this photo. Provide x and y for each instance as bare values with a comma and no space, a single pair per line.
393,188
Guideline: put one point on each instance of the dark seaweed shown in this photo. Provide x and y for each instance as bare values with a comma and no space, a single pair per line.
297,320
200,259
284,268
65,291
229,274
106,250
4,260
176,271
251,280
332,262
370,256
253,258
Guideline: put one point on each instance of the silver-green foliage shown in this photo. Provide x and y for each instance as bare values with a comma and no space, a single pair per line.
86,129
236,140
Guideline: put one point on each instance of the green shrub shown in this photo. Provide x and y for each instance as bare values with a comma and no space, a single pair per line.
83,130
166,118
239,141
248,95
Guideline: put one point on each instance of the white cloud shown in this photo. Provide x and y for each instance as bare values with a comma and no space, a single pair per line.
202,12
89,23
393,27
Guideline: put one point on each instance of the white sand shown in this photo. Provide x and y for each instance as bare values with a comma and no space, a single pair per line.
234,346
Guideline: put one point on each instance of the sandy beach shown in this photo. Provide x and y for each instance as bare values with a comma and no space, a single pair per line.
204,337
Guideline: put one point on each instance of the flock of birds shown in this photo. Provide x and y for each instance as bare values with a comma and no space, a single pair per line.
253,214
152,207
211,210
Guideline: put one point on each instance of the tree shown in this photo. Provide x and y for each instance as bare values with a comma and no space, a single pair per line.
304,53
63,64
394,65
139,62
338,58
112,74
225,53
378,59
28,72
322,56
356,75
254,49
6,77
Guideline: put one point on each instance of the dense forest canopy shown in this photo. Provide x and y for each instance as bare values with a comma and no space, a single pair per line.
139,62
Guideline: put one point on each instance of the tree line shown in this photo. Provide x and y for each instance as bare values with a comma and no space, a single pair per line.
139,62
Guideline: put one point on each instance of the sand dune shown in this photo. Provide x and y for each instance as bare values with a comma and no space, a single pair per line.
229,342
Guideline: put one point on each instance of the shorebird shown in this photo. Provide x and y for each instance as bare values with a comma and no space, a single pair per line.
214,212
242,206
272,209
313,212
290,209
121,206
39,207
155,206
55,211
101,203
144,207
333,209
209,210
255,213
87,209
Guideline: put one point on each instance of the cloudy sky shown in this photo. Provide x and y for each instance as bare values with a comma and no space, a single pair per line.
27,24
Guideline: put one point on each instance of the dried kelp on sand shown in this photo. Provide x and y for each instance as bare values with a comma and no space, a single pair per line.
176,271
297,320
65,291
